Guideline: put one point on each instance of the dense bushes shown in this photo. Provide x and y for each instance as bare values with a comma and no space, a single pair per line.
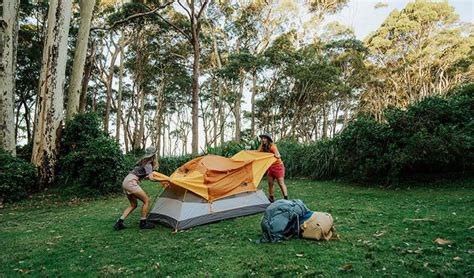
89,157
362,149
434,136
17,177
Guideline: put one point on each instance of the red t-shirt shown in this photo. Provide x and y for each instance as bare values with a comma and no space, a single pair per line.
274,150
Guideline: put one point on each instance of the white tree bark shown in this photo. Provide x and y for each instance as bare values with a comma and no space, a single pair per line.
51,91
8,49
119,93
74,92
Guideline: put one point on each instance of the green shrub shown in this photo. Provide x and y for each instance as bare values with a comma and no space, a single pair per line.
24,152
362,149
81,130
434,136
90,158
104,166
320,160
17,177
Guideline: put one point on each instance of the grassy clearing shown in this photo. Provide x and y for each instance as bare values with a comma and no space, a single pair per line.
51,236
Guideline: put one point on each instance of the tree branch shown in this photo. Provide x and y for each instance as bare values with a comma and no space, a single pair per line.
203,7
132,17
184,8
176,28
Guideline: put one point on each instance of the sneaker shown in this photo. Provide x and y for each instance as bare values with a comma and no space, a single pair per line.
271,199
146,225
119,225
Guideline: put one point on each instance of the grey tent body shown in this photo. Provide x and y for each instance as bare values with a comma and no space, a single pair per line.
181,209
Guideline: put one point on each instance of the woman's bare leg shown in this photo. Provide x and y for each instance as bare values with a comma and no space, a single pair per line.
133,205
146,202
281,183
271,188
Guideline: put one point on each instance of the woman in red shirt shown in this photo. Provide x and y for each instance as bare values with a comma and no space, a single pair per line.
277,170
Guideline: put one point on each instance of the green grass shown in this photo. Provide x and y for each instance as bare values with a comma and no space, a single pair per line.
53,236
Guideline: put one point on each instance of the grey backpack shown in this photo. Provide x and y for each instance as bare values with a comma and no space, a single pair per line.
280,218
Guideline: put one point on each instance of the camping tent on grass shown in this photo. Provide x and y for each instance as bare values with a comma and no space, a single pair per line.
212,188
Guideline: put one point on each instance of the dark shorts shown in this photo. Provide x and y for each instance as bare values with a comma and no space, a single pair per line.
276,171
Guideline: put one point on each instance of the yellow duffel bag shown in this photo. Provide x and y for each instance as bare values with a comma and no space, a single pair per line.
319,226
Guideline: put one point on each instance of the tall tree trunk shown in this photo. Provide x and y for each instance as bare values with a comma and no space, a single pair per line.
238,107
252,103
195,41
334,127
110,78
140,109
159,116
325,121
27,121
164,138
220,94
141,121
74,92
85,80
8,52
119,97
51,91
126,140
195,92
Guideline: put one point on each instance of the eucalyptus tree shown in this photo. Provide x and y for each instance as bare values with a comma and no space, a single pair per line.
195,11
167,77
74,91
419,51
348,54
30,43
8,50
126,33
49,112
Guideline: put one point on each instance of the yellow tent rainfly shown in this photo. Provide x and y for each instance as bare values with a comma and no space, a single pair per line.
211,188
214,177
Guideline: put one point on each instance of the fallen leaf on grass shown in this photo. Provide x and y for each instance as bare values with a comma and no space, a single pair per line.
426,264
441,241
300,254
457,258
157,266
472,227
346,267
22,270
57,236
379,234
470,251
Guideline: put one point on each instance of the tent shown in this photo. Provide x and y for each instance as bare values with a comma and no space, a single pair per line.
212,188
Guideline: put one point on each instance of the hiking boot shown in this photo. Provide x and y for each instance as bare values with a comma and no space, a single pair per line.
146,225
119,225
271,198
